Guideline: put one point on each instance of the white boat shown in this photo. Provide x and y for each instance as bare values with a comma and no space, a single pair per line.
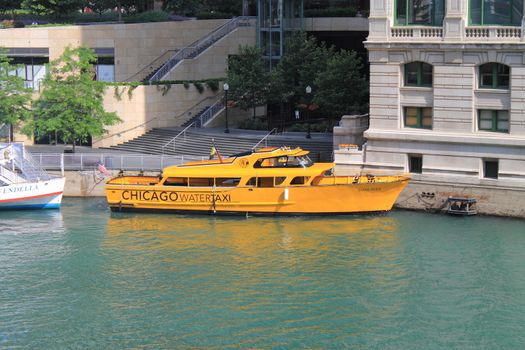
24,184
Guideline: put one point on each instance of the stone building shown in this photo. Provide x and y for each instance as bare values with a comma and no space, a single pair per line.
447,96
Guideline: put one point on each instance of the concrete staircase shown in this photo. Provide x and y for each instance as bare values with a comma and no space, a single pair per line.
162,66
198,142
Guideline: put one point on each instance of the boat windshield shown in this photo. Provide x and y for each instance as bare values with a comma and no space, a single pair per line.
284,162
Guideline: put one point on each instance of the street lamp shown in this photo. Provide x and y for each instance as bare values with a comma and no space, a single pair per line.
226,87
308,92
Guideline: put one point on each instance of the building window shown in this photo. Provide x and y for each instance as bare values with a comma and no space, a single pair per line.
490,120
420,12
494,76
490,169
499,12
418,74
31,69
415,163
418,117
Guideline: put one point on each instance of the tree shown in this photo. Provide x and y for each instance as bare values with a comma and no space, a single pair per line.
10,5
100,6
341,87
248,78
71,101
183,7
303,59
15,98
56,8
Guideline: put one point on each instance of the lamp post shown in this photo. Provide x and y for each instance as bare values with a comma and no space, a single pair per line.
226,87
308,92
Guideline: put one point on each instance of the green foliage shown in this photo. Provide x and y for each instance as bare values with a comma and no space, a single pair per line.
298,68
253,124
212,15
198,85
341,88
56,8
213,84
15,99
331,12
149,16
183,7
248,78
10,6
100,6
205,9
71,101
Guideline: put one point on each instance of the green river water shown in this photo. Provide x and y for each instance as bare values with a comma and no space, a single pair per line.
85,278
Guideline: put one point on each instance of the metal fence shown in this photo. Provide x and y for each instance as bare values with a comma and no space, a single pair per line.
90,161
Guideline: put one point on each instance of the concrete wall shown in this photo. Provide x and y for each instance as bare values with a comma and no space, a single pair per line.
213,62
148,107
136,45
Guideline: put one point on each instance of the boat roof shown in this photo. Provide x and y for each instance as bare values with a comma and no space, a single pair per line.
243,164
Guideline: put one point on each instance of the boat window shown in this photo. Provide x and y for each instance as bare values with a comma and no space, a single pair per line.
201,182
227,182
252,182
279,180
176,181
300,180
265,182
284,162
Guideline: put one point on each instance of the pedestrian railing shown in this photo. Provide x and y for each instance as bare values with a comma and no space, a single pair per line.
127,162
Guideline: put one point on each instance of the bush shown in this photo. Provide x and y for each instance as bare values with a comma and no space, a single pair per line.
315,126
7,23
149,16
213,15
253,124
331,12
19,24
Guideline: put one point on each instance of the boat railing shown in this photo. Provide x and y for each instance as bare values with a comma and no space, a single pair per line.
9,177
264,139
126,162
29,168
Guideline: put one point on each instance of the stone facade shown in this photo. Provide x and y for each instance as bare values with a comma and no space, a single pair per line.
455,149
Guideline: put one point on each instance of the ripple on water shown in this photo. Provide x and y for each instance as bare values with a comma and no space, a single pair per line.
85,277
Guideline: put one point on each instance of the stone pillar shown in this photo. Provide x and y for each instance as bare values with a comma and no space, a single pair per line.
455,19
379,21
350,130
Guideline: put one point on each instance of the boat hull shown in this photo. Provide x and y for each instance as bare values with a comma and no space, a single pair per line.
314,200
32,195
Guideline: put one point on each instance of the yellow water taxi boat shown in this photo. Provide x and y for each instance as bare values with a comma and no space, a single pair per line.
270,181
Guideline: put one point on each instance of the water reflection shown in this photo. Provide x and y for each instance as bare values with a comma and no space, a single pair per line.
247,236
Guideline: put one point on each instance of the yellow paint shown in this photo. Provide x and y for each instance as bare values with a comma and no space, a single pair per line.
271,181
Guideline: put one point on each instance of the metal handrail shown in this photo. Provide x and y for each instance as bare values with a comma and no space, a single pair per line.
199,46
127,130
180,133
150,67
265,138
208,114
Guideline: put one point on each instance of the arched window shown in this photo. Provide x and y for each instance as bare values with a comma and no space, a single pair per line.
418,74
420,12
494,76
499,12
